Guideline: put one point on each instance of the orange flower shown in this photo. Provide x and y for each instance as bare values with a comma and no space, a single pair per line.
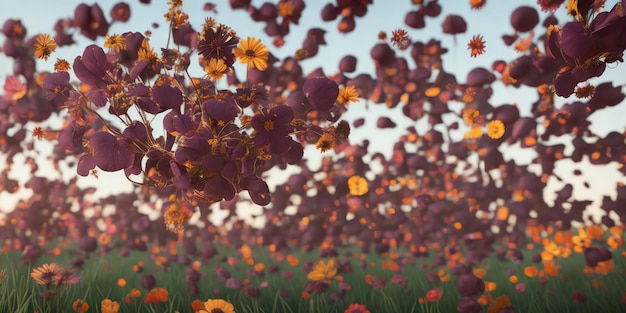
156,295
80,306
433,295
476,46
357,185
501,303
135,293
121,282
108,306
531,271
44,46
252,52
477,4
197,305
495,129
323,271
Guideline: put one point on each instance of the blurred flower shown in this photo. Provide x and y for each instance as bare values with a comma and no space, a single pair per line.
477,4
549,5
579,297
217,306
433,295
156,296
495,129
80,306
347,94
323,271
357,185
46,274
44,46
252,52
108,306
356,308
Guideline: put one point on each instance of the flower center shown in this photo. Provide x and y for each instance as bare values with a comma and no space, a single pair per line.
217,311
249,53
268,125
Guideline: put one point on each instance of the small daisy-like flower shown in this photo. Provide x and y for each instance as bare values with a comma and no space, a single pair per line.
216,68
495,129
115,42
252,52
61,65
326,142
44,46
400,38
217,306
477,4
476,46
347,94
46,274
357,185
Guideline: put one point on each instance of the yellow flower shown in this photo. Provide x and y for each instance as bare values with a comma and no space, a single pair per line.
108,306
252,52
323,271
217,306
216,68
44,46
347,95
115,42
357,185
495,129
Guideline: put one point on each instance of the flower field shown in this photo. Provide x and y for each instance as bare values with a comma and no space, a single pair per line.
550,275
243,156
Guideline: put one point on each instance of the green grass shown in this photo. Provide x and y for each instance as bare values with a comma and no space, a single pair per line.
19,292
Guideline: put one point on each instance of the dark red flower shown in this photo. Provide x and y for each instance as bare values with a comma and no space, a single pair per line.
109,152
90,19
272,128
321,93
454,24
524,18
120,12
